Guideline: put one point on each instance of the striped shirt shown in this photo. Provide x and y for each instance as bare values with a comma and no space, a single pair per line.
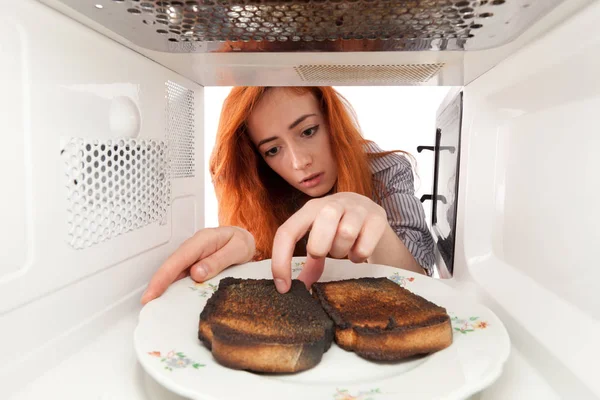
394,186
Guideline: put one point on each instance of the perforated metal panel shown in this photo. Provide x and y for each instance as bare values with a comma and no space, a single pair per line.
308,21
180,129
315,25
113,187
417,73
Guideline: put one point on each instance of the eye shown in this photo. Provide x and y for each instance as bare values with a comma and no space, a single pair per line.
272,151
310,131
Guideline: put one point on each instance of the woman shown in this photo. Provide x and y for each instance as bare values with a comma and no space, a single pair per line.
293,176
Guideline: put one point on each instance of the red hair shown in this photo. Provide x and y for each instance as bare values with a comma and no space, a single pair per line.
253,196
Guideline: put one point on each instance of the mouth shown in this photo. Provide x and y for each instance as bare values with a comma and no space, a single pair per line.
312,180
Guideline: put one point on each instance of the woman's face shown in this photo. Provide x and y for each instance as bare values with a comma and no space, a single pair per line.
290,133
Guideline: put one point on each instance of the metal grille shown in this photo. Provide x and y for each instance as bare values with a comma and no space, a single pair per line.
316,20
417,73
114,187
180,129
315,25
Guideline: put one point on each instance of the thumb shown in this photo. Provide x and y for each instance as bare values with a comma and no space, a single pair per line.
212,265
312,271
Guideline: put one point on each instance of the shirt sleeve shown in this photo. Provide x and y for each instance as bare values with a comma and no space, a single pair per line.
394,183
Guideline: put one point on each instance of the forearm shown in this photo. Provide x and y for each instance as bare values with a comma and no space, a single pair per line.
391,251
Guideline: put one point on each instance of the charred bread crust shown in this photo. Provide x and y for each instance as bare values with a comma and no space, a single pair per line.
395,344
345,320
318,290
248,325
267,358
394,340
240,351
295,312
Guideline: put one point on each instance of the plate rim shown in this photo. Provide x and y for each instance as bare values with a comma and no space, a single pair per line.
462,392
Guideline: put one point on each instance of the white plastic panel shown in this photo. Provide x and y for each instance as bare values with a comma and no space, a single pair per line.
550,180
33,328
528,215
75,100
14,158
73,87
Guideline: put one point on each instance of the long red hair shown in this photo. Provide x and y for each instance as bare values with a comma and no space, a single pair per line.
253,196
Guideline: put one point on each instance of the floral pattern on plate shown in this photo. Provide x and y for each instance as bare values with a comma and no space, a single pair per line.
173,360
344,394
159,328
400,279
297,266
468,325
204,289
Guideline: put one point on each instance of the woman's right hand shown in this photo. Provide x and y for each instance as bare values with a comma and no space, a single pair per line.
202,256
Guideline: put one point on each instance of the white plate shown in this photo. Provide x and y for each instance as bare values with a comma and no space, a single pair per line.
167,346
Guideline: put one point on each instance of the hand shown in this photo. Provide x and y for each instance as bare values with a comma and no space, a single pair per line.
343,224
203,256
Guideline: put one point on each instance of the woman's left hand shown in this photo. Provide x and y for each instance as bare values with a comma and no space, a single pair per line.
342,224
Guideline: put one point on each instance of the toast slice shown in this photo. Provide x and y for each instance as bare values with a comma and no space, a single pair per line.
379,320
248,325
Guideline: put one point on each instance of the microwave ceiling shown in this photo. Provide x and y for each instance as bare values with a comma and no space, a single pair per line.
221,26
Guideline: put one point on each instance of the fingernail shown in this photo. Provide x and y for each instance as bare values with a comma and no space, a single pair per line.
280,285
201,272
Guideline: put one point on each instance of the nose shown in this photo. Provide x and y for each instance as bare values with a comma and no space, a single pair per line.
301,159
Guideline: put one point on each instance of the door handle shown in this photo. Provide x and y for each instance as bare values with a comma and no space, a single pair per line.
439,197
421,148
451,149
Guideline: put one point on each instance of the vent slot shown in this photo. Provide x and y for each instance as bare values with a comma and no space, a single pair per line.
398,73
113,187
180,112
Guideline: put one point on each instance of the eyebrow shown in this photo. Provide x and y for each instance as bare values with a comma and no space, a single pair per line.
292,126
299,120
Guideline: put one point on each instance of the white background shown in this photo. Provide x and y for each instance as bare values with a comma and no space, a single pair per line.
396,118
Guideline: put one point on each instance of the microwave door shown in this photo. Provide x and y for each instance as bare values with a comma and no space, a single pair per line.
445,181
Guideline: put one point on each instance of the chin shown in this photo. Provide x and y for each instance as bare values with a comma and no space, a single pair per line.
319,191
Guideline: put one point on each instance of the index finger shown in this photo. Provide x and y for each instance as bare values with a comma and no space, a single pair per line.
198,246
288,234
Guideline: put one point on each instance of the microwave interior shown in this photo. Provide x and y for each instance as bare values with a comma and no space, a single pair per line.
112,96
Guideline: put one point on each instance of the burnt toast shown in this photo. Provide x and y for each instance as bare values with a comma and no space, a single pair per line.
248,325
379,320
